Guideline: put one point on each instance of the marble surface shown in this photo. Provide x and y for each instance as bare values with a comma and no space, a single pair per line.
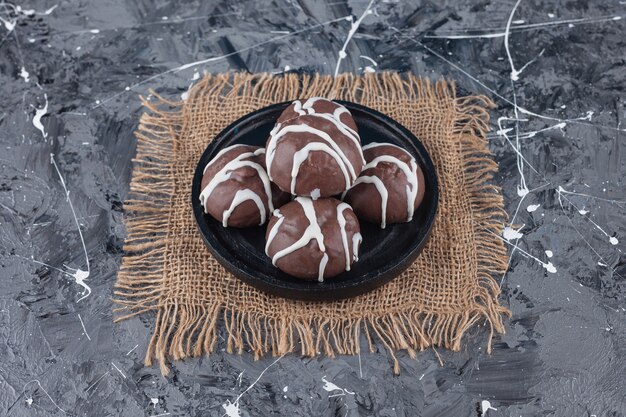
70,74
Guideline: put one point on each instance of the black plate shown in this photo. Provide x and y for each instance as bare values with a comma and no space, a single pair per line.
385,253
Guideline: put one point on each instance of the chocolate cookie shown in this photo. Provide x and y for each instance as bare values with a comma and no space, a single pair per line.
390,188
236,189
313,239
314,150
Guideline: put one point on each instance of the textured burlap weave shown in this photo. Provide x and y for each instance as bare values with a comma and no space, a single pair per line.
167,268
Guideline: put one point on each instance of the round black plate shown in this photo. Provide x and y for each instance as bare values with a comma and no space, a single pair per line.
385,253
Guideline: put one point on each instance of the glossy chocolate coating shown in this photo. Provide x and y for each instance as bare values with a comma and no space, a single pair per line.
298,230
320,138
367,195
245,176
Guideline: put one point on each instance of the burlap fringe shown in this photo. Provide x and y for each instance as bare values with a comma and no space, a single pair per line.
186,330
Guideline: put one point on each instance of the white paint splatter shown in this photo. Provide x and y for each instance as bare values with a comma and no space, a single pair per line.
286,388
232,409
500,32
560,191
368,69
511,234
18,10
97,381
498,95
83,324
24,74
522,191
99,103
184,96
95,31
351,32
547,266
514,73
39,113
8,24
532,207
486,406
533,133
330,387
154,401
50,10
374,63
118,370
79,275
29,400
549,254
583,211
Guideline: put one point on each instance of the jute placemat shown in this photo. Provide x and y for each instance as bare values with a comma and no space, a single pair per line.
167,268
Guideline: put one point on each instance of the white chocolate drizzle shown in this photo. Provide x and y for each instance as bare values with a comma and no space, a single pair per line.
219,154
382,191
274,230
280,131
341,219
314,231
300,156
323,262
334,118
410,172
243,195
330,147
356,244
240,197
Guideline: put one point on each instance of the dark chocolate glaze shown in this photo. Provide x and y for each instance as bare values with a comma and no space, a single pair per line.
320,174
305,262
365,198
315,105
247,213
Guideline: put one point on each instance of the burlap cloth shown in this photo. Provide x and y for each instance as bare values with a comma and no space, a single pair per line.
168,269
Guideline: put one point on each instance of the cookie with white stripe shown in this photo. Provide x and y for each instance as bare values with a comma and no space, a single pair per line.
313,239
236,189
390,187
317,105
315,149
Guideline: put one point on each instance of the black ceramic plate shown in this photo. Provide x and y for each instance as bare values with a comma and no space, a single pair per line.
385,253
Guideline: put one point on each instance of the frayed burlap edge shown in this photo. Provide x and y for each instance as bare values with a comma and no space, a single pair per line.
186,330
